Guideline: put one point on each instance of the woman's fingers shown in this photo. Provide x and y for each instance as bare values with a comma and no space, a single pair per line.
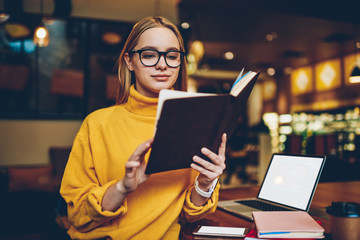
141,150
222,147
209,170
136,161
132,164
218,160
139,153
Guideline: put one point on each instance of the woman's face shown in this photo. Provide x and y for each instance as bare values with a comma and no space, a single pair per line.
150,80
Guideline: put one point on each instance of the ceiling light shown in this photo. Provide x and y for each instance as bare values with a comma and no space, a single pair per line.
271,36
41,36
271,71
4,17
229,55
111,38
185,25
287,70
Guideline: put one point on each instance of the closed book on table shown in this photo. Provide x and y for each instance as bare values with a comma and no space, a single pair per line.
186,122
287,224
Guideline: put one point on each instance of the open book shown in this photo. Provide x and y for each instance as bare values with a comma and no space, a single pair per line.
186,122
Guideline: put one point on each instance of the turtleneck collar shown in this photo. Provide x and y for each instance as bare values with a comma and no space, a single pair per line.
140,104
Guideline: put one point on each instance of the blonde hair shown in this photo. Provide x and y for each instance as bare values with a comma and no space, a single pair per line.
125,76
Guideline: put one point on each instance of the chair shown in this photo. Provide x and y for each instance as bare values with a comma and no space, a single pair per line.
58,158
62,223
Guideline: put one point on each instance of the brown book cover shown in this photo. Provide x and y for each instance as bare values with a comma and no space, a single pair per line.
190,123
286,224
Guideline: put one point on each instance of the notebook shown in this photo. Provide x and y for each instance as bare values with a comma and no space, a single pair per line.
289,185
287,224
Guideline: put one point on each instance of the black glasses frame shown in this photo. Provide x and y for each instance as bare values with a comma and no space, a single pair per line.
182,54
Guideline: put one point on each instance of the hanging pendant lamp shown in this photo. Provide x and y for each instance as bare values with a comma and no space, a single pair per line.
355,75
41,36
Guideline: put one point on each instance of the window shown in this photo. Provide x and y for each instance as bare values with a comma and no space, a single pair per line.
71,77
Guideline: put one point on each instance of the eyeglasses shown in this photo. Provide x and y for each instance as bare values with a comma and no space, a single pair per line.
151,57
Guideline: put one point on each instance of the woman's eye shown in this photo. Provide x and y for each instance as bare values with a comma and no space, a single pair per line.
172,56
148,55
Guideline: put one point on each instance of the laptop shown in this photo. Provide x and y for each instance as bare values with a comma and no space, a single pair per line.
289,185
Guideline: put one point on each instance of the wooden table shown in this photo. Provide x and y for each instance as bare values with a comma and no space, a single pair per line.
324,195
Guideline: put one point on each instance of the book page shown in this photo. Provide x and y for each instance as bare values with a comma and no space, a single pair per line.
239,77
241,83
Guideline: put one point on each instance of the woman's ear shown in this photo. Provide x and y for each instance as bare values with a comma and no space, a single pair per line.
128,61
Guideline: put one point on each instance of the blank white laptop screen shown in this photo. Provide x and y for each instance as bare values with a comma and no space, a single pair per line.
290,180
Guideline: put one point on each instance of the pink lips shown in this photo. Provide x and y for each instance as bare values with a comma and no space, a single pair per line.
161,77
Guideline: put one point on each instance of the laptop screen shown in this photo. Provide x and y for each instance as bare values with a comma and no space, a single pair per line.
291,180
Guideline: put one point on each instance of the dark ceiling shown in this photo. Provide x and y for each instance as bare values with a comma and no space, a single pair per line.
306,31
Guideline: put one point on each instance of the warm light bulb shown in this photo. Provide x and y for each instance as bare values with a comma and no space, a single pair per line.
41,36
185,25
229,55
271,71
41,32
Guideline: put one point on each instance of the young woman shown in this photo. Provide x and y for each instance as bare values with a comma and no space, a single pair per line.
108,194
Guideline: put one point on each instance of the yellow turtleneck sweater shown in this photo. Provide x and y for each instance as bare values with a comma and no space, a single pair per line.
100,150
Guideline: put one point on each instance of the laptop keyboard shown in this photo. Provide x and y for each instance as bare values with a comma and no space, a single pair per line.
262,205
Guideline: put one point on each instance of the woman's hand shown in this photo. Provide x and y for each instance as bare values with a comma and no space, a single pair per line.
135,167
134,176
209,171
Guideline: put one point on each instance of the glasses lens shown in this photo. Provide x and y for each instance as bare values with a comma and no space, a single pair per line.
149,57
173,59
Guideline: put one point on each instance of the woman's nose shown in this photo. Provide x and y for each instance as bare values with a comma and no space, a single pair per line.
162,63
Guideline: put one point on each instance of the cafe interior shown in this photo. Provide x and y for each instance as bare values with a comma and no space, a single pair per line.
58,64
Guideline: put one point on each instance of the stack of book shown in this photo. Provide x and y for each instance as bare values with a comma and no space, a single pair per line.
285,225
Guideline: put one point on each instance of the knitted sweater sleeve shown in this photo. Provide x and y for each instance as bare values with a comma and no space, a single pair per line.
194,213
81,189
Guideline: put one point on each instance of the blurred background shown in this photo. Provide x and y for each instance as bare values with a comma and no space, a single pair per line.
58,63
